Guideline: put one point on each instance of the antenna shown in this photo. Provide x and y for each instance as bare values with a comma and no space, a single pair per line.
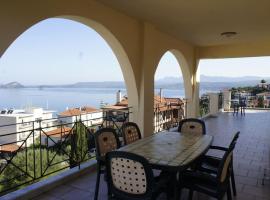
47,104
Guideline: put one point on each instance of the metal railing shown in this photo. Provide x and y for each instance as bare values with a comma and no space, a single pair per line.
49,146
166,117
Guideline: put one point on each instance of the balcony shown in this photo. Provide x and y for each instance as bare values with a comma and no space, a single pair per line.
51,149
250,159
139,47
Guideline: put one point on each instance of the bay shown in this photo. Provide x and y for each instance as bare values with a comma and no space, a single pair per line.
59,99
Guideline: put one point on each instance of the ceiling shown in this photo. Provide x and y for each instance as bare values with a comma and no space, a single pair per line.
201,22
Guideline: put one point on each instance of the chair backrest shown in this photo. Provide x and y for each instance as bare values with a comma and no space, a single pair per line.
192,125
235,137
131,132
225,164
129,175
106,140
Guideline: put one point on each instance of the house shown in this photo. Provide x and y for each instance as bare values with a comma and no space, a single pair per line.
88,115
167,111
266,98
264,85
18,127
50,138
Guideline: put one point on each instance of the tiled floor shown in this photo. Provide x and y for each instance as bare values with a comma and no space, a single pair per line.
250,157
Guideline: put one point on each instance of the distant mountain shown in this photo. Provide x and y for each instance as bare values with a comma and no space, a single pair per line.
12,85
170,80
232,79
204,78
212,82
166,83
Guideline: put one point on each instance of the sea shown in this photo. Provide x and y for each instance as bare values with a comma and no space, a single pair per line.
60,99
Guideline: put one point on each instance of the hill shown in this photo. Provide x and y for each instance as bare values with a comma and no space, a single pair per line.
12,85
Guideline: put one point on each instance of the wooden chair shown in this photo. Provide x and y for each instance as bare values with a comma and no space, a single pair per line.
130,177
131,132
214,185
192,125
106,140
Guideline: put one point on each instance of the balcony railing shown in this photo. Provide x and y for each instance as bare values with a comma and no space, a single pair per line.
47,148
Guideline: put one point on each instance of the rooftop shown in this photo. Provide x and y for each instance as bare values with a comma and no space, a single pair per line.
9,148
59,132
78,111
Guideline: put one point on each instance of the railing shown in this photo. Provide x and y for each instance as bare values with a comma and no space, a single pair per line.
47,148
204,105
167,117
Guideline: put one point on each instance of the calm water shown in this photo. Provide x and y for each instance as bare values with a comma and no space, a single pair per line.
59,99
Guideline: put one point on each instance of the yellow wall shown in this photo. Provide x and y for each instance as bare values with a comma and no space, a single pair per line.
138,46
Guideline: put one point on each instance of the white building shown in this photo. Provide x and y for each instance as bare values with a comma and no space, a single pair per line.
88,115
16,126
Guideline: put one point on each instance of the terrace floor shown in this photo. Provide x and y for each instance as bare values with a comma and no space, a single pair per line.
251,157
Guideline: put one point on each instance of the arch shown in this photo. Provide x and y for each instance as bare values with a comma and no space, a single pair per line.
182,62
114,44
188,79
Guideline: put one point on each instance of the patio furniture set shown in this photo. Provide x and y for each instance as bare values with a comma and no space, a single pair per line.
166,162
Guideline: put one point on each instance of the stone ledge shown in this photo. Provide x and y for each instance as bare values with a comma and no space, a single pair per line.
40,187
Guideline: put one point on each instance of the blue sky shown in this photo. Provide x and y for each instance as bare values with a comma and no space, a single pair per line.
60,51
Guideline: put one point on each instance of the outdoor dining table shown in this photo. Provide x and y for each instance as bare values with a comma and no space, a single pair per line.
171,151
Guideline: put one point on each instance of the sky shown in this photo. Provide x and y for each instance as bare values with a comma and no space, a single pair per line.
61,51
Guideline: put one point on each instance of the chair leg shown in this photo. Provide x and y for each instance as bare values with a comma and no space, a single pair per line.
233,183
190,194
180,193
229,194
97,181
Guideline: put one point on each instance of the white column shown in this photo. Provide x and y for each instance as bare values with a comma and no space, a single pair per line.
213,103
227,100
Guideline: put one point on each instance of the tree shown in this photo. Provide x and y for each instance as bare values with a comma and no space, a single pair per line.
263,81
79,144
260,102
29,165
204,105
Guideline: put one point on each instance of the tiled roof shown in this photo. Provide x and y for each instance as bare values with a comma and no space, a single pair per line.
123,102
78,111
174,100
159,102
62,131
9,148
115,107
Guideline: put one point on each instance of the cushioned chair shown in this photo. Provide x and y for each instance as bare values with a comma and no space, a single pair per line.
215,185
130,177
106,140
210,163
131,132
192,125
